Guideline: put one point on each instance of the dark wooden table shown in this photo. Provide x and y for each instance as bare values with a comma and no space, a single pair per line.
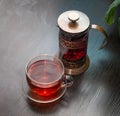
28,28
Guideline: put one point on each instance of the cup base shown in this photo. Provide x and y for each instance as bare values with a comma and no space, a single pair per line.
40,99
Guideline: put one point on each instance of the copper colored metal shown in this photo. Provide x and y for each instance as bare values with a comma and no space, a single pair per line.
74,29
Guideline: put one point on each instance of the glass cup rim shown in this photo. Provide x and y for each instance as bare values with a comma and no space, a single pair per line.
47,56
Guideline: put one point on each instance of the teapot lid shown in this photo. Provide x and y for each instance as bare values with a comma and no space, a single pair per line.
73,21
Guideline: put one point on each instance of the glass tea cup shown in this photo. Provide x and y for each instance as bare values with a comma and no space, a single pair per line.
45,78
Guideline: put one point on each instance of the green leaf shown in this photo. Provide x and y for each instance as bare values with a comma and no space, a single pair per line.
119,25
109,16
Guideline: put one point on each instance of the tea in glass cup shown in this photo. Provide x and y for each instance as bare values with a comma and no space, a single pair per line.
45,77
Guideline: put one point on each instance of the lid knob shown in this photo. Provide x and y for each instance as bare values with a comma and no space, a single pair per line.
73,16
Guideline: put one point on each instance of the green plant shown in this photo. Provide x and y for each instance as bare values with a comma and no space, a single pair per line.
110,14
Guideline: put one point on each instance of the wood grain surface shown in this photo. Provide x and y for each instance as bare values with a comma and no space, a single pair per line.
28,28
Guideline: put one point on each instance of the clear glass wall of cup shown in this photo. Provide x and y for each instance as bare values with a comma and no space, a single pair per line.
45,79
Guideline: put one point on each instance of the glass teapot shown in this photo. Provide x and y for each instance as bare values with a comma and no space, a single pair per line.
74,28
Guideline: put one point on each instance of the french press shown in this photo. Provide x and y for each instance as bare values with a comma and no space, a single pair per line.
74,28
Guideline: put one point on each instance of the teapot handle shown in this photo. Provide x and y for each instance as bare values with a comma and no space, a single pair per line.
99,28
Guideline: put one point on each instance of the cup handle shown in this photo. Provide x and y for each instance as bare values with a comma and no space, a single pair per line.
99,28
68,81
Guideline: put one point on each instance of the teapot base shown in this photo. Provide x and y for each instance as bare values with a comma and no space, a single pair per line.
80,70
